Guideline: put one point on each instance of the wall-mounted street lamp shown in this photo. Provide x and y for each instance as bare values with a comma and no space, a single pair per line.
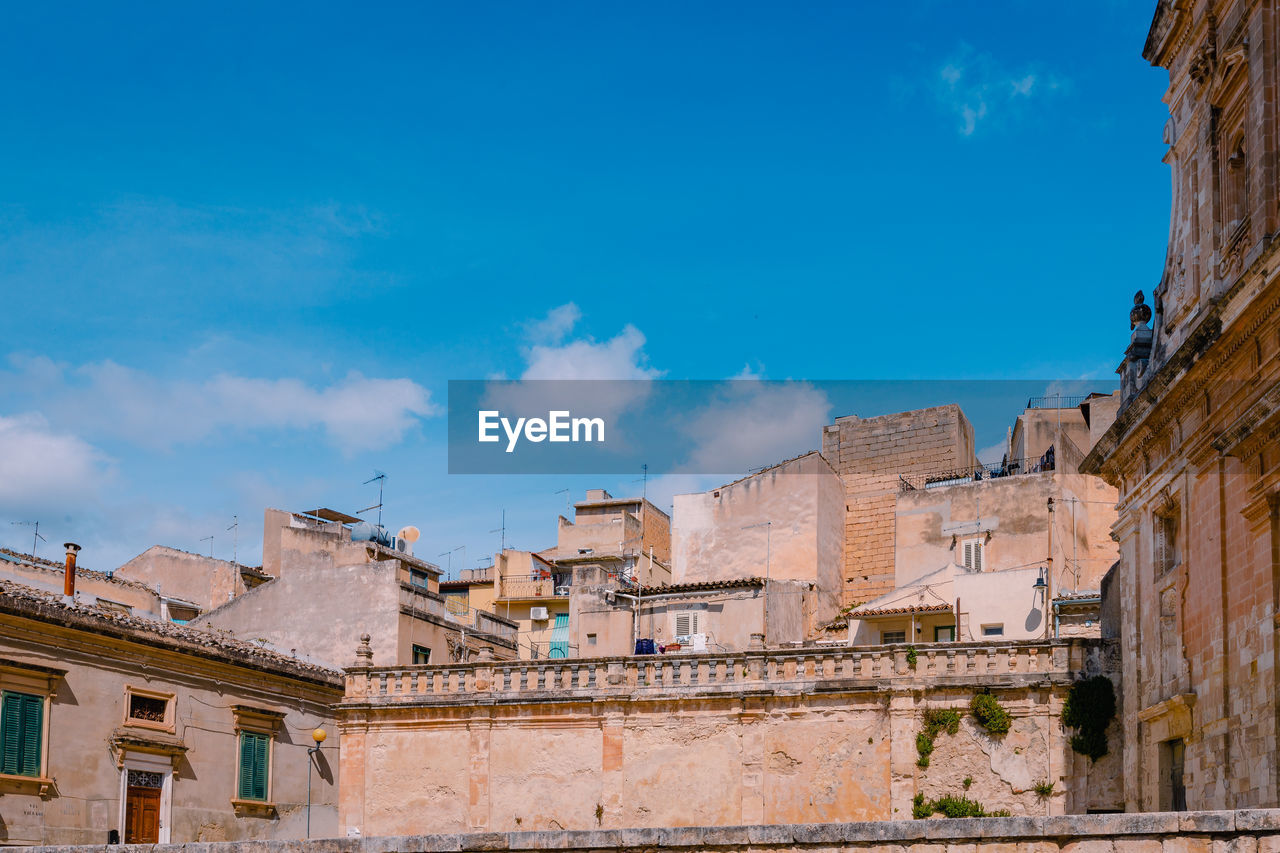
318,736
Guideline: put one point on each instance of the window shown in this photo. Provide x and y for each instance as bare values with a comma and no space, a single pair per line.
254,751
972,554
591,639
421,654
418,578
148,709
21,733
993,630
1165,544
688,622
456,603
255,730
944,633
893,636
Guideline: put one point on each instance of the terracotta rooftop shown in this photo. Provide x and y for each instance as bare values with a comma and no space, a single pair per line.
698,586
1083,595
27,602
8,556
861,613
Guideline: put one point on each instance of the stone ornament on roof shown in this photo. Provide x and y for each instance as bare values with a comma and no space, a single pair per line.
1140,314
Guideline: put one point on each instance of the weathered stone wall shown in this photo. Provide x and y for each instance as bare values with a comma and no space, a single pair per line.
870,454
1254,831
759,737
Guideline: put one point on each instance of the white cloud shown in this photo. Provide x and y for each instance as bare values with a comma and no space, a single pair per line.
558,323
356,413
752,423
620,357
42,469
974,86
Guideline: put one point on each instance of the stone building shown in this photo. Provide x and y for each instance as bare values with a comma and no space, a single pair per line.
872,455
1195,448
124,728
204,581
326,590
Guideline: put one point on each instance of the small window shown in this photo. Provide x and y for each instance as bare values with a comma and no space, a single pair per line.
944,634
421,654
21,733
1165,548
419,578
972,553
148,709
688,622
993,630
254,755
591,639
893,636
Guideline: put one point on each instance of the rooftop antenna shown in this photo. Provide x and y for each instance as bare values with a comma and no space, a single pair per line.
208,539
35,538
381,478
503,530
448,571
565,492
235,536
644,481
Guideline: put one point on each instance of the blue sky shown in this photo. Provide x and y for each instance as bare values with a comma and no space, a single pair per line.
243,249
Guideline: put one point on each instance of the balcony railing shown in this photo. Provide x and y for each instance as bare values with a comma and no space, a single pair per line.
817,669
978,473
523,587
1056,401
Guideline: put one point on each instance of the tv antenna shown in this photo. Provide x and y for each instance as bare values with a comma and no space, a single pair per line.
35,538
502,530
644,481
381,478
564,492
208,539
235,536
448,572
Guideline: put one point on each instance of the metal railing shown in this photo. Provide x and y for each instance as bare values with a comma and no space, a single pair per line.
523,587
978,473
1056,401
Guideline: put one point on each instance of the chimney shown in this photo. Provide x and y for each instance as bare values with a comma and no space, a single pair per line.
69,579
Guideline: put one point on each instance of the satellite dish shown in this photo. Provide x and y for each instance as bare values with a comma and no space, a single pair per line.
409,534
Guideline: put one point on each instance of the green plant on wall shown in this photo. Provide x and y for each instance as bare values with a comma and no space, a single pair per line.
1089,709
912,656
990,714
951,806
936,721
1044,790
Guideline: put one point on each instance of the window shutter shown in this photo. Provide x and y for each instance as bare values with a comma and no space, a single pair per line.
253,766
977,555
21,730
682,624
10,733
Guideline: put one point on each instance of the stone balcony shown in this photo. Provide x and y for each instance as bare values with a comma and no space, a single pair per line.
807,670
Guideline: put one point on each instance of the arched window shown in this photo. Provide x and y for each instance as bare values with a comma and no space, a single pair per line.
1237,185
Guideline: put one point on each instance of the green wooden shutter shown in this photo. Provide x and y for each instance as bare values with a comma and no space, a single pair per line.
253,765
21,732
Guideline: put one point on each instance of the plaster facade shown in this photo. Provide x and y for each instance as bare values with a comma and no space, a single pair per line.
671,741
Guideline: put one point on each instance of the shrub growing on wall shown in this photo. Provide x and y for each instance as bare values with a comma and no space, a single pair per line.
1089,709
990,714
936,720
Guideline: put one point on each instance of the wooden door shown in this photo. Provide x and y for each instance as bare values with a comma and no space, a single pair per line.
142,816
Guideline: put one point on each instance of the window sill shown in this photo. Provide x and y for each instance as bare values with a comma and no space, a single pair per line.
253,808
39,785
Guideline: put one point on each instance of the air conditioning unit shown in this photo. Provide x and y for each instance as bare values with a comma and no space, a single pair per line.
538,614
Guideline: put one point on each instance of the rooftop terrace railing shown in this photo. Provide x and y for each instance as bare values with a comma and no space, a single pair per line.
976,474
799,670
1056,401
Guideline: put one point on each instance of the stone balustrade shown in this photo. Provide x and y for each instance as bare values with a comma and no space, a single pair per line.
800,670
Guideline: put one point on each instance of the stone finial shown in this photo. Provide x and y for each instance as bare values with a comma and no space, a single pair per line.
364,652
1140,314
486,653
757,641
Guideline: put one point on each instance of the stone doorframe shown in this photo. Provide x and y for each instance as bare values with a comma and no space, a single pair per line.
148,763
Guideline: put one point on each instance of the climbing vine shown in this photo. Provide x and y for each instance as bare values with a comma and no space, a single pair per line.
1089,709
936,721
990,714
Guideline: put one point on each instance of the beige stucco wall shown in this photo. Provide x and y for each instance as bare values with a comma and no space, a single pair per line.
89,706
1012,515
766,737
203,581
50,578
